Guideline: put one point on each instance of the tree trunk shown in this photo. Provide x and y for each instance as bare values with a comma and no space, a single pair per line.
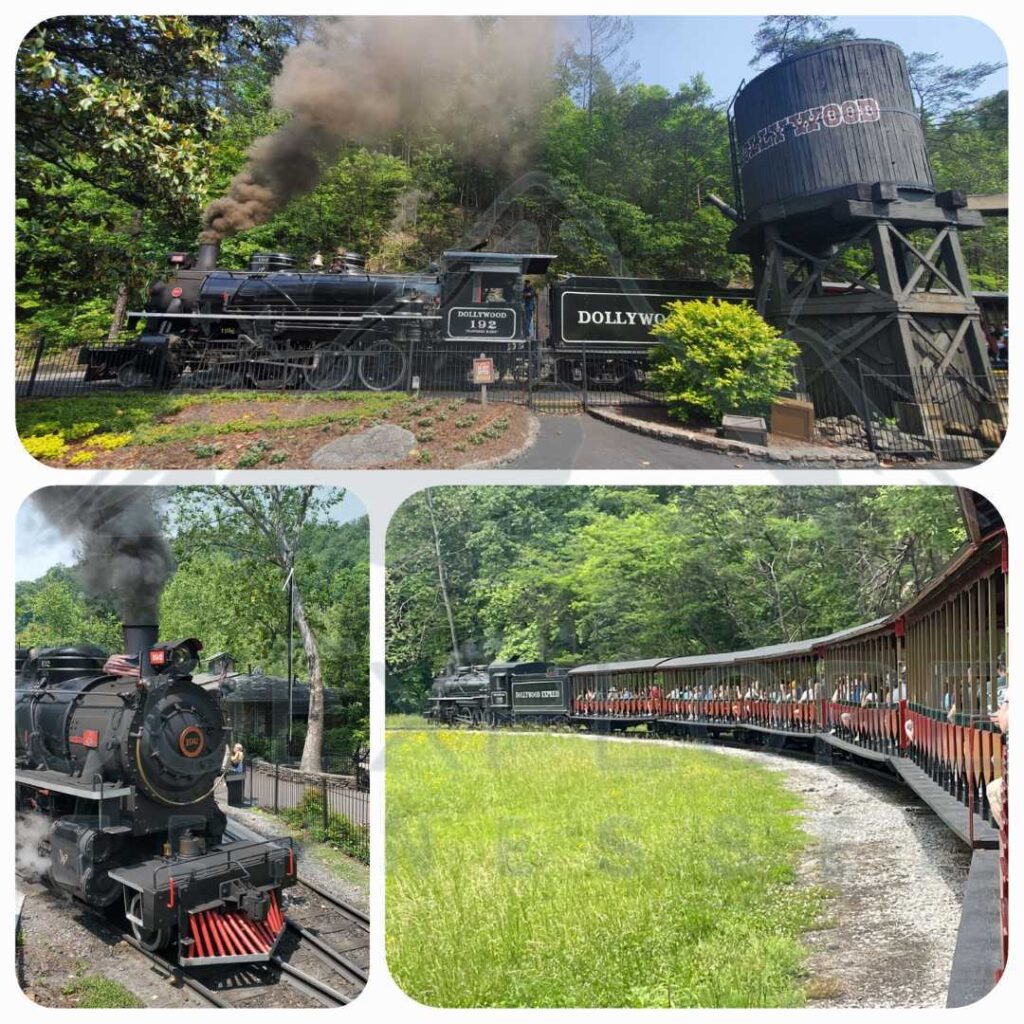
441,578
121,305
312,749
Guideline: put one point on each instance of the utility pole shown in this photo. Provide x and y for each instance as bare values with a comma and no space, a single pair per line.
290,584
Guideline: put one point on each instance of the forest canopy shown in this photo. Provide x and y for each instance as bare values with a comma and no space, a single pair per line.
128,127
575,574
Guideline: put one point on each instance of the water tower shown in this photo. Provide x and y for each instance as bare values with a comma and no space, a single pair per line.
856,257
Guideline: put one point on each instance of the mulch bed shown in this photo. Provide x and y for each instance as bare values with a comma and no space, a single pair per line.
293,448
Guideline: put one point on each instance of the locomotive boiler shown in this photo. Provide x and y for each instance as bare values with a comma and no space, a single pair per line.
121,757
272,325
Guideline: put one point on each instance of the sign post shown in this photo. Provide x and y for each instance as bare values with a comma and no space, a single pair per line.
483,374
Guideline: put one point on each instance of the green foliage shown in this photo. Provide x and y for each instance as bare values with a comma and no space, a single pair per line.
335,829
53,611
578,574
717,357
109,421
96,992
514,880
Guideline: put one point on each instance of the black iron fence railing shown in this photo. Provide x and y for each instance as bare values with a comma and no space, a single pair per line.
943,415
330,808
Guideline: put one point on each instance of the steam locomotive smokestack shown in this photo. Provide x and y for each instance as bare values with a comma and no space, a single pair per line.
207,257
138,639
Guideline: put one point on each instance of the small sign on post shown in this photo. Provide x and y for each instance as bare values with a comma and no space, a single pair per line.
483,374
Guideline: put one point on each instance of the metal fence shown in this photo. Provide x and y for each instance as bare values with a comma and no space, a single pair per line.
950,417
331,810
962,419
525,373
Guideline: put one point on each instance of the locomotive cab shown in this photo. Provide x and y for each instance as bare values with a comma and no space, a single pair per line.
482,294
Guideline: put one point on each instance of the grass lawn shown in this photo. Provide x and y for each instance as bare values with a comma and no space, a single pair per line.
249,429
93,991
548,871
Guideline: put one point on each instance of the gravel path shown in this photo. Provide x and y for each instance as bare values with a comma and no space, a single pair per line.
61,941
896,875
308,868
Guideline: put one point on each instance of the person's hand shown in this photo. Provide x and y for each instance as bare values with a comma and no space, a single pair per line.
1001,717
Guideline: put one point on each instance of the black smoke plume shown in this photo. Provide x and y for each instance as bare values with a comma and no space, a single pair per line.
476,83
123,553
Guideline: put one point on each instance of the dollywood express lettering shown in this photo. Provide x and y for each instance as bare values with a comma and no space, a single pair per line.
609,318
829,115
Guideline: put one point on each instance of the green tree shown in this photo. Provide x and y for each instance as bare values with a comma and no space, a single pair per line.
264,527
784,35
716,357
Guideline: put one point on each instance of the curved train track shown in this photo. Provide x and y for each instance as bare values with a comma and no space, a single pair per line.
322,960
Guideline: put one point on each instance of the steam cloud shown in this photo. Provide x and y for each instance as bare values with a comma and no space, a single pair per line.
478,84
123,552
31,834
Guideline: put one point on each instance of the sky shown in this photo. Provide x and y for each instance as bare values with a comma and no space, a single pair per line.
671,50
38,547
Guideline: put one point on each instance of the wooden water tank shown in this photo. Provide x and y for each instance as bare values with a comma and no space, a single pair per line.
839,115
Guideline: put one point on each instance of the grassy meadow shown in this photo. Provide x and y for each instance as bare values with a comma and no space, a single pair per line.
541,870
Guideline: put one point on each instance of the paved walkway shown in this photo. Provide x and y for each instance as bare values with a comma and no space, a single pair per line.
582,442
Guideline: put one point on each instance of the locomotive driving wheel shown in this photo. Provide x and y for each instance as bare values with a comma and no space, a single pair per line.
331,369
131,375
150,939
382,366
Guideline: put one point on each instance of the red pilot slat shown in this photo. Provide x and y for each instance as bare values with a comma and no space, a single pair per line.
197,938
237,940
207,941
254,934
244,937
170,894
220,934
266,934
249,935
291,860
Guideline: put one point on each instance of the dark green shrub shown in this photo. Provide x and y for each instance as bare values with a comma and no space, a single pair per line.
717,357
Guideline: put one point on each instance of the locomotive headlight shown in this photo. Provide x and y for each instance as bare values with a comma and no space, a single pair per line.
177,659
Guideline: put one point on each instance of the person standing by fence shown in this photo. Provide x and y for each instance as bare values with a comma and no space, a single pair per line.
529,307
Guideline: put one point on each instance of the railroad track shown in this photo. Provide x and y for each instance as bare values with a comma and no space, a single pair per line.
306,970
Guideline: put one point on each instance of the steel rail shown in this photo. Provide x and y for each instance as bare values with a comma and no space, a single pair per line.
309,984
208,995
336,959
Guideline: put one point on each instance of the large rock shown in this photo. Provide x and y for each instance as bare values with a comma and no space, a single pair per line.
376,446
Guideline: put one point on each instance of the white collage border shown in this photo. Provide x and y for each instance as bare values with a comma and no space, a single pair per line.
999,479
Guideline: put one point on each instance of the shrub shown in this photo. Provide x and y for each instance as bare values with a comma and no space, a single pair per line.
717,357
339,832
108,442
80,458
46,446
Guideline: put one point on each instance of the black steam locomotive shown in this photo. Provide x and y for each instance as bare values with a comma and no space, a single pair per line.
502,693
273,326
121,757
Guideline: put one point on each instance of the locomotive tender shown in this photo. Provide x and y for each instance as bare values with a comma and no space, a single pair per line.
121,757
